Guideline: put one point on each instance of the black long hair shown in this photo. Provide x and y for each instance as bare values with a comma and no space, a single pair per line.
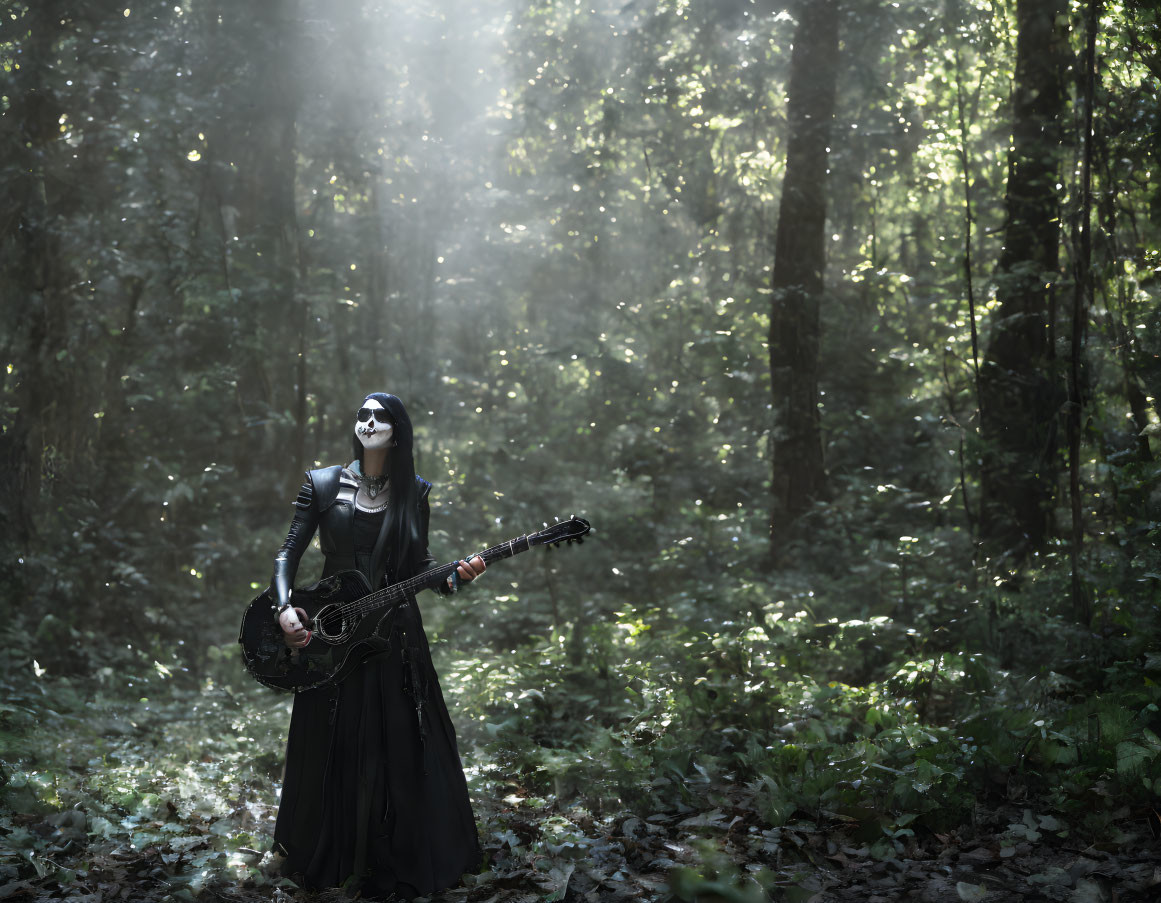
402,492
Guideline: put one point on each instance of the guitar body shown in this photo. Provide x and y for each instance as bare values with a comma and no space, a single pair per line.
350,622
342,636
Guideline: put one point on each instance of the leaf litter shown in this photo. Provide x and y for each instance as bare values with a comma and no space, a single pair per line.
173,798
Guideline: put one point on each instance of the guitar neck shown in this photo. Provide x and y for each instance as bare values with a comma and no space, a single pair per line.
432,578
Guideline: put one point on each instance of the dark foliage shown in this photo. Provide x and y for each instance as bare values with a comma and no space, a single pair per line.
548,228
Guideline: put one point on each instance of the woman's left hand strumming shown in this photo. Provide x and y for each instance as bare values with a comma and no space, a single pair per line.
468,571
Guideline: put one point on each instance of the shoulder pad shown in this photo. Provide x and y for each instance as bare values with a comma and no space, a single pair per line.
422,487
325,481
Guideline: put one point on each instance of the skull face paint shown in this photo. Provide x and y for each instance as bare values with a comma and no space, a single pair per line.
373,425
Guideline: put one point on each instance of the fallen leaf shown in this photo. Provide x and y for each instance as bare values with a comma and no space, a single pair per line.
970,893
1088,891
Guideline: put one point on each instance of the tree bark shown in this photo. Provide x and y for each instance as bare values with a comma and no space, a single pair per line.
252,151
1021,395
1081,301
799,477
35,303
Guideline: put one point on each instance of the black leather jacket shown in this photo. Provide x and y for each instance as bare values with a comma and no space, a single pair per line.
326,503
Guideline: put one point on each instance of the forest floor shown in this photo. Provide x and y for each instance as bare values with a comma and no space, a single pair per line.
173,796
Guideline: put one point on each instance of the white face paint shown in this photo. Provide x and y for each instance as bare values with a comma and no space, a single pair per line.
372,432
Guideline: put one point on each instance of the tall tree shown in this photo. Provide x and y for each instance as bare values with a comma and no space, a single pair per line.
799,477
1081,300
1020,397
252,153
36,305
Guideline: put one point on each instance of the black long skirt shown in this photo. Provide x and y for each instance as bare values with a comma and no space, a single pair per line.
374,796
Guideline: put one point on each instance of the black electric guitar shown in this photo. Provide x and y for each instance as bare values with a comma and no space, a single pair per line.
346,617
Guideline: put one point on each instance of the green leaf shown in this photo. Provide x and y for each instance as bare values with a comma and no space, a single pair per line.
1131,758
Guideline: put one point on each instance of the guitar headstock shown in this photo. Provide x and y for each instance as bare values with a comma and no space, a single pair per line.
575,529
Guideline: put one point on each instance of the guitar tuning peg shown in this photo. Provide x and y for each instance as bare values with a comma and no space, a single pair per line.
580,540
545,524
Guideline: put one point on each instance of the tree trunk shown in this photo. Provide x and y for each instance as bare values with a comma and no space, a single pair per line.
1021,395
252,149
1081,301
799,261
35,303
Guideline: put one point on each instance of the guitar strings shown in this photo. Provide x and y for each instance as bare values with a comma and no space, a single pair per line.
401,590
389,594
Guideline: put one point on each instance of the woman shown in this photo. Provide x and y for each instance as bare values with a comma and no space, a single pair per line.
374,796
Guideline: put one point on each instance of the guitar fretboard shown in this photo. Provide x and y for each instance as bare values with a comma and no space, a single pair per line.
397,592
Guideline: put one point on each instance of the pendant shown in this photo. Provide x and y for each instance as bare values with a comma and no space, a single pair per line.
374,485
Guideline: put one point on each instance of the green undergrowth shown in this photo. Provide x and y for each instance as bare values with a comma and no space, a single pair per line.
734,726
759,729
95,773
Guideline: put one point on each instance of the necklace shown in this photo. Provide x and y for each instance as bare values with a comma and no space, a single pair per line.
368,509
373,485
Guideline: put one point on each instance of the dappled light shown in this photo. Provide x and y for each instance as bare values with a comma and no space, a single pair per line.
837,320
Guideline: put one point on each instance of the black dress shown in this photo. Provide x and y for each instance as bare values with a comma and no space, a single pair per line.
374,795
